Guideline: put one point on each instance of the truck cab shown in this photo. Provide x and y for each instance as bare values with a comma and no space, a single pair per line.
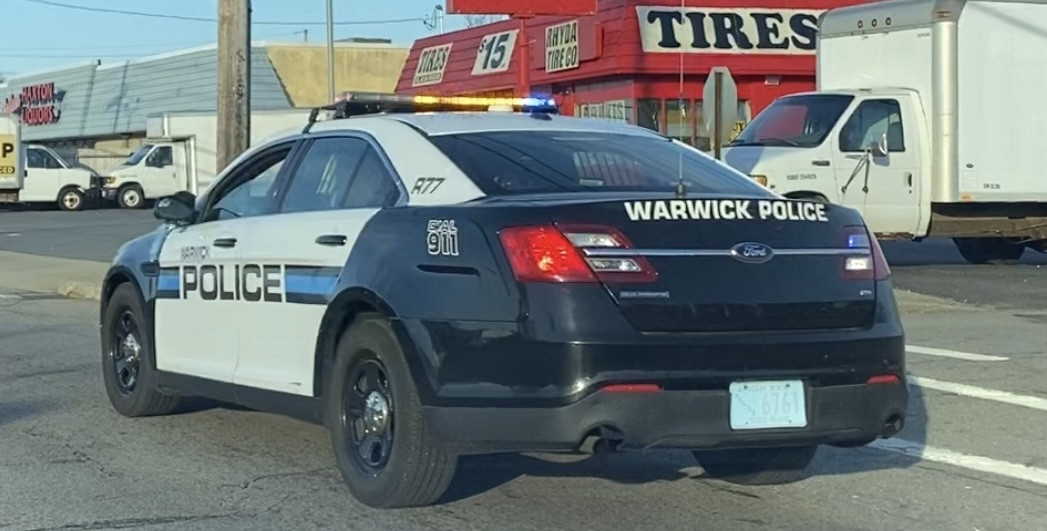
49,178
154,170
860,148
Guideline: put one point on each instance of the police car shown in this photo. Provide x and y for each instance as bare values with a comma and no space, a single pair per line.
430,279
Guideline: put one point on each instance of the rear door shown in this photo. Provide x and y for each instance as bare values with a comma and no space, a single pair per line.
341,181
727,264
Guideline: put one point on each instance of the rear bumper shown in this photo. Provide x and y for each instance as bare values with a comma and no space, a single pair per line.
541,384
842,415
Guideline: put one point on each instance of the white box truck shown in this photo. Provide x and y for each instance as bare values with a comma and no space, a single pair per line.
180,154
31,173
927,118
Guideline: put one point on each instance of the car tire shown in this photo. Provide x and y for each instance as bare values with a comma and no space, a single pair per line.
131,196
410,468
758,466
127,359
71,199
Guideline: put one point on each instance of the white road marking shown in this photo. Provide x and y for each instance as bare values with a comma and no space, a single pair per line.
980,392
12,297
967,356
970,462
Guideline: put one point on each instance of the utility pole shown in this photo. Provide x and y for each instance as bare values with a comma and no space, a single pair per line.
330,52
234,79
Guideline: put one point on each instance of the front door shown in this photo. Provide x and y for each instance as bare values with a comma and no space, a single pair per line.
195,327
884,188
201,285
43,176
339,185
160,173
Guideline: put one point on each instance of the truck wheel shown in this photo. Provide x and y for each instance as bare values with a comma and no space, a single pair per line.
71,199
127,367
131,196
382,446
757,466
989,250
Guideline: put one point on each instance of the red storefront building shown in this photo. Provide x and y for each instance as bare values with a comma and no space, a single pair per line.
625,61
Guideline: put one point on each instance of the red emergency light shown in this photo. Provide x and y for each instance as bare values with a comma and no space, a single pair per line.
521,8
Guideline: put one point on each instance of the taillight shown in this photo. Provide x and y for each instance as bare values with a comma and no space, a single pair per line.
570,253
869,265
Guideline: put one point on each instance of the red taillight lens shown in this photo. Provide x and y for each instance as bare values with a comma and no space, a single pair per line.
543,254
632,388
870,264
572,253
882,379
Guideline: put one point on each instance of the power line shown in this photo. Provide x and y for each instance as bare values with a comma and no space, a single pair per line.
205,19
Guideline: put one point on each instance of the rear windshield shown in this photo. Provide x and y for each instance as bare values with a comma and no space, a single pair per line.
519,162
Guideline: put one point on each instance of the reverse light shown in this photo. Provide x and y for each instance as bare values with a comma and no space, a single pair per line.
546,253
870,266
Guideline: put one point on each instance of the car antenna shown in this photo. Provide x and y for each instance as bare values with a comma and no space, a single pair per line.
681,188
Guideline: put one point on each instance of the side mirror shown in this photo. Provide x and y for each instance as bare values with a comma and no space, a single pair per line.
177,208
879,147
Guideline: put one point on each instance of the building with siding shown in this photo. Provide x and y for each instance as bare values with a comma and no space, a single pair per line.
638,61
95,113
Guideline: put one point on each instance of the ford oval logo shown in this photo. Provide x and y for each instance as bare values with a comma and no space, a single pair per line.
752,252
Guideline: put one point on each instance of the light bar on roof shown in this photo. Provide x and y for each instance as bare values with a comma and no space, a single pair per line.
378,102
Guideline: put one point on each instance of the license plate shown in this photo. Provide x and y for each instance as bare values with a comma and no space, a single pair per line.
763,405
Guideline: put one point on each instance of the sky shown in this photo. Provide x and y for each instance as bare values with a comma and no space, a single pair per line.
47,34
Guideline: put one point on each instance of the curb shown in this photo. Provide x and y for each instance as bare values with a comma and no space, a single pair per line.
80,290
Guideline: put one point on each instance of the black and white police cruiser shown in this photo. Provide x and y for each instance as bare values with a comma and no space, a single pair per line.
429,285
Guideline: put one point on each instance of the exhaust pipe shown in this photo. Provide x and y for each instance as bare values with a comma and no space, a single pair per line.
893,425
604,439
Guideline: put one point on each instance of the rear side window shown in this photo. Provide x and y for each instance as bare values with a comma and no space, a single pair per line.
515,162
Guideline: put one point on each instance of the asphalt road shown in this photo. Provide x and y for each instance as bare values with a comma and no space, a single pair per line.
932,267
68,462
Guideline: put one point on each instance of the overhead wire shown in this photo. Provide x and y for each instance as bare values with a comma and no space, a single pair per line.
215,20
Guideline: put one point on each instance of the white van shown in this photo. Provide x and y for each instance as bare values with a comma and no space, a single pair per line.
148,173
49,178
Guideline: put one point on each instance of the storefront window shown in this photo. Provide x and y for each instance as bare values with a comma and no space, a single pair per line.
649,114
678,120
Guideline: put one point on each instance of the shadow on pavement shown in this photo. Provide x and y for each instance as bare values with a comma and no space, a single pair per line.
16,410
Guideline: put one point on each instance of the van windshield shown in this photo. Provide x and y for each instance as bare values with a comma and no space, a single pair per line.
549,161
794,121
138,155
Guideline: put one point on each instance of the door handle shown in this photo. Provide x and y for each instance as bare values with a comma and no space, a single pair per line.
331,239
908,178
225,242
820,162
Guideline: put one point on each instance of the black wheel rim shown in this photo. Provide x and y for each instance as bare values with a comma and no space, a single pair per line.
367,416
125,351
